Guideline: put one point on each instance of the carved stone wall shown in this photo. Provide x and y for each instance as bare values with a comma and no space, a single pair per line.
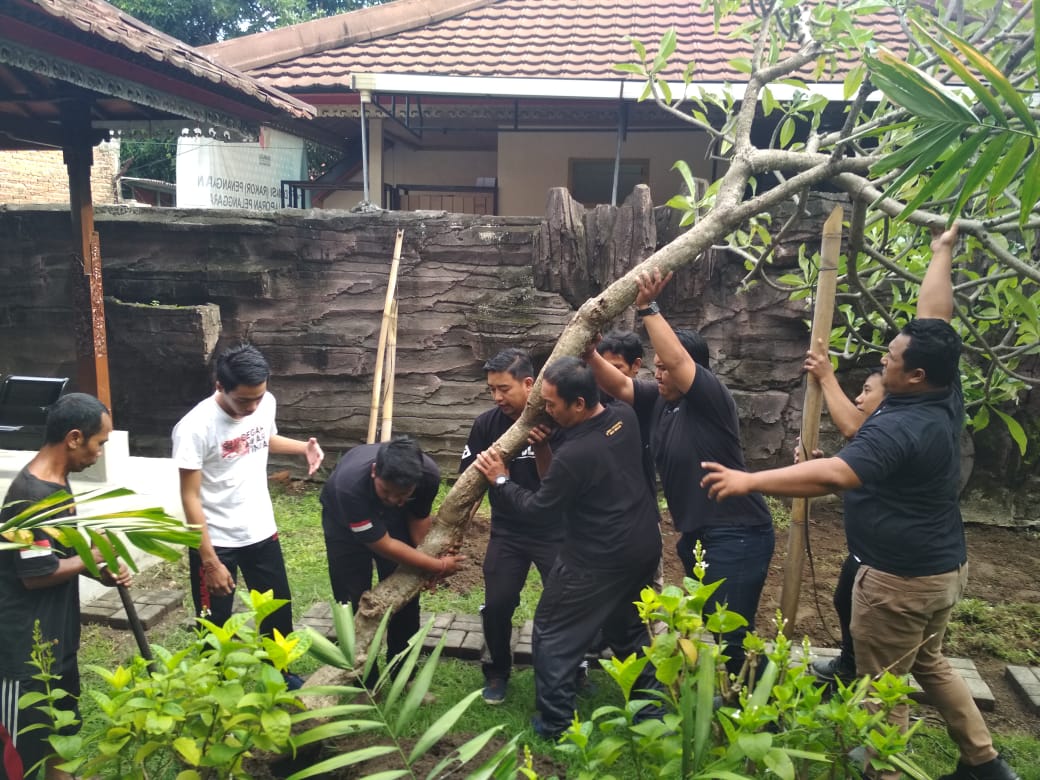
308,289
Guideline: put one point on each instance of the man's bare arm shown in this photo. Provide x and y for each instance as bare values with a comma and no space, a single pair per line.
936,298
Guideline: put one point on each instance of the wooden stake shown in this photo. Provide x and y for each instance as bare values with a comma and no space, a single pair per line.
823,318
391,371
384,328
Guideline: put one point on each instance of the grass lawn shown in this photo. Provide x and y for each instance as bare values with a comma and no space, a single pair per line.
299,521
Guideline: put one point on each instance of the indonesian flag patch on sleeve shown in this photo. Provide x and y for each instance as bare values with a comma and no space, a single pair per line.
41,548
361,526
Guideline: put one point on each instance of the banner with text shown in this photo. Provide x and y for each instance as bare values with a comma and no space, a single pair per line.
215,174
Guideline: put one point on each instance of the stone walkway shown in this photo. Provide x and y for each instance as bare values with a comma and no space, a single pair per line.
464,639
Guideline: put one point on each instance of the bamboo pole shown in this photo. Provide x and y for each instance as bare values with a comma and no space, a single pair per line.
384,328
391,371
823,318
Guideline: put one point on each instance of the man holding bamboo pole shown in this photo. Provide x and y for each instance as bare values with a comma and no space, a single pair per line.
901,474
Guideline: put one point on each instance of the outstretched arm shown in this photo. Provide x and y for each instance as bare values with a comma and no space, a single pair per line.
936,298
310,449
808,479
670,352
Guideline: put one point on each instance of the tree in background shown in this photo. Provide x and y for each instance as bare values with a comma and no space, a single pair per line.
199,22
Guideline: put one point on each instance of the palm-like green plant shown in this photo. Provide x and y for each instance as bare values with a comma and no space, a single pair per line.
99,522
390,709
997,142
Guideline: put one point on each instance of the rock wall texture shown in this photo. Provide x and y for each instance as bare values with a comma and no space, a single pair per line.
308,289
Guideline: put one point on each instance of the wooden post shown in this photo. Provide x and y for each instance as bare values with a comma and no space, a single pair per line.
823,318
391,370
384,329
88,298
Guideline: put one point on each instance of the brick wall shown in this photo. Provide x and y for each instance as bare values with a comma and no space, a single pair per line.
41,176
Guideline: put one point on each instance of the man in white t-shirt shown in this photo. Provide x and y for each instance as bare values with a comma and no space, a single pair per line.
221,449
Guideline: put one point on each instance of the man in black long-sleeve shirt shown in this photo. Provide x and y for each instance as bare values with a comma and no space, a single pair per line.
611,543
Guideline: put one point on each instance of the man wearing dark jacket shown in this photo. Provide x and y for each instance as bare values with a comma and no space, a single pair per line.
611,543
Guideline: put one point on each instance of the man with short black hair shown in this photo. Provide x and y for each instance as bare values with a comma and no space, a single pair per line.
375,507
901,480
41,583
611,544
221,448
623,350
516,540
692,417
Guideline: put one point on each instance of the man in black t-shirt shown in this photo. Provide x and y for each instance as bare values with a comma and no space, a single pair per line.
901,479
611,543
41,583
692,417
516,540
375,507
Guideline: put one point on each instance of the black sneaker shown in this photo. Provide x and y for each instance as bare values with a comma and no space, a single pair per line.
293,682
829,670
494,691
542,730
996,769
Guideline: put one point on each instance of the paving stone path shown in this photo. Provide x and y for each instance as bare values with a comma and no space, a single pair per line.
464,639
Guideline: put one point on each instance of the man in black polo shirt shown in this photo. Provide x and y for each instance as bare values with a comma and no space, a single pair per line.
516,541
901,474
611,544
691,417
376,506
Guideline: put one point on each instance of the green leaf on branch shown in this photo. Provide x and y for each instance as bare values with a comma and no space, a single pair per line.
1015,429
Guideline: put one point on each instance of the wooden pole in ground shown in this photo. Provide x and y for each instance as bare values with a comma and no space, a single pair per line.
384,328
823,318
391,370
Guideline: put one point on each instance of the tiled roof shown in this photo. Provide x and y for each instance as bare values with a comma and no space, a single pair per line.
572,39
102,20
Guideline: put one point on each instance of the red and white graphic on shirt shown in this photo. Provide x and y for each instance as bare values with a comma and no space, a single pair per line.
250,441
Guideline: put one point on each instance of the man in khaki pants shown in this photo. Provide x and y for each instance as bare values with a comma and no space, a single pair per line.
901,474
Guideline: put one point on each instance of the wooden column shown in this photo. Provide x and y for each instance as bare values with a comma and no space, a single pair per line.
88,298
823,320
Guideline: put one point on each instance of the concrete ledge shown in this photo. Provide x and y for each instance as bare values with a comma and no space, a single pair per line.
1026,681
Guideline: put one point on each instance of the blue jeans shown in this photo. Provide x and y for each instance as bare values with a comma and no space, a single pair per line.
740,555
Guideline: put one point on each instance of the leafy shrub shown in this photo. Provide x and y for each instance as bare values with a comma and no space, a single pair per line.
777,722
201,712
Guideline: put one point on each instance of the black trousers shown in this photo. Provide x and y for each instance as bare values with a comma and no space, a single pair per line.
575,604
350,573
506,563
263,568
33,746
843,606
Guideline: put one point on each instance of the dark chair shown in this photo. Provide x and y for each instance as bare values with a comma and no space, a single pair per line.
24,402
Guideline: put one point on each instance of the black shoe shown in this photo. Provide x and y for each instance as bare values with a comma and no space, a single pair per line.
293,682
829,670
494,691
996,769
543,731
